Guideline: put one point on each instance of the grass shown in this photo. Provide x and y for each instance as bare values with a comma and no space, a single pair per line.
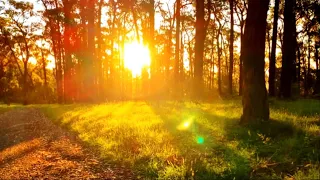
185,140
5,108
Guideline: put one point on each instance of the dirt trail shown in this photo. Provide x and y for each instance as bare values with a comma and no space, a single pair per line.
32,147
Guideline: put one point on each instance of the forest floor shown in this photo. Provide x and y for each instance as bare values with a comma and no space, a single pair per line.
160,140
32,147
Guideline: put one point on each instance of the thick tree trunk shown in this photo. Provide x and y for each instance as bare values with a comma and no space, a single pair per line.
68,79
272,64
289,48
255,98
231,47
199,48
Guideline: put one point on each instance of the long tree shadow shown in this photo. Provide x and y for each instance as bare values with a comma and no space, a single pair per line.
273,148
203,144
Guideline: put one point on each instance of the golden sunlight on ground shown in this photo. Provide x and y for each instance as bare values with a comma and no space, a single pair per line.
136,57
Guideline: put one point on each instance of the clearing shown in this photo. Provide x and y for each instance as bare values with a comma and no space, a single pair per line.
160,140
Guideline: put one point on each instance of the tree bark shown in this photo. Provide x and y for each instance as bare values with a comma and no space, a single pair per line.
90,90
154,63
177,48
255,98
199,48
272,64
241,64
231,47
44,69
219,60
289,50
99,54
68,79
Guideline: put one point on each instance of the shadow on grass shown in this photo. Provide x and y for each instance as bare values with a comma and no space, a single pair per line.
212,146
212,159
272,149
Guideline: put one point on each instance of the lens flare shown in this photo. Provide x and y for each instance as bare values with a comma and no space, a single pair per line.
186,124
200,140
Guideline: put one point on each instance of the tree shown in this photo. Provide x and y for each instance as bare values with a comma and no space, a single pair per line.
272,65
289,49
241,9
21,40
68,76
199,48
231,46
255,98
177,49
91,58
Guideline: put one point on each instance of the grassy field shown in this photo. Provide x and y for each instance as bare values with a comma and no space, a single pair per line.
4,108
185,140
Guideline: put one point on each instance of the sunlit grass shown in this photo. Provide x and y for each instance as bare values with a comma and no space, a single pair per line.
5,108
179,140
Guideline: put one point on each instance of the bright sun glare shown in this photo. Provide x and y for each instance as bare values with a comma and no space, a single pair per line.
136,57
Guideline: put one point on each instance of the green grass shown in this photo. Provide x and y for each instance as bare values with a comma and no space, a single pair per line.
184,140
5,108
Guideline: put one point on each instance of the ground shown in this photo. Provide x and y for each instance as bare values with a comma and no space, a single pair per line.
160,140
33,147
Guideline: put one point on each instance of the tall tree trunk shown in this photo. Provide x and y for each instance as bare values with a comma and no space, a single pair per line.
68,79
91,58
154,63
289,48
305,74
56,46
99,54
181,65
212,61
299,68
25,83
255,97
241,60
219,61
177,48
272,65
231,47
44,69
199,48
316,57
111,80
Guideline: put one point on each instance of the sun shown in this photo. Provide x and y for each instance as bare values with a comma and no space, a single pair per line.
136,57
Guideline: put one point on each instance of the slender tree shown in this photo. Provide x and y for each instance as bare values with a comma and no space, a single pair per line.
289,49
177,48
272,64
231,46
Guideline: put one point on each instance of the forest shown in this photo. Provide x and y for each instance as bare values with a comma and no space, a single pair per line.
160,89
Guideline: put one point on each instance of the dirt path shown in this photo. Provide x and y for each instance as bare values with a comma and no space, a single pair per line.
32,147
